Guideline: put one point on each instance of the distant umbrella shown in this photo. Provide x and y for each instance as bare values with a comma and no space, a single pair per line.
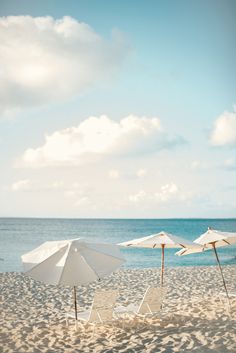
71,262
212,239
160,240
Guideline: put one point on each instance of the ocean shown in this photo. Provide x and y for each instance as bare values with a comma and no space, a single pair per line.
20,235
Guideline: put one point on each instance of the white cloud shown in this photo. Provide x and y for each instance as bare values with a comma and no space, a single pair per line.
224,132
21,185
56,185
114,174
97,137
75,190
45,60
30,185
167,192
78,193
141,173
82,201
139,196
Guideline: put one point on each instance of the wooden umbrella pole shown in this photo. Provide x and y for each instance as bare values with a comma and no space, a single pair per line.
162,264
75,302
222,275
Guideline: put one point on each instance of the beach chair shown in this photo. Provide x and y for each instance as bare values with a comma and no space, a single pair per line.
150,305
101,311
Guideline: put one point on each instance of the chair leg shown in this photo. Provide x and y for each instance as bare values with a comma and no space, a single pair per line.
229,311
93,330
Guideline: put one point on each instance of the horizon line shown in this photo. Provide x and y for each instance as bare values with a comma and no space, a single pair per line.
120,218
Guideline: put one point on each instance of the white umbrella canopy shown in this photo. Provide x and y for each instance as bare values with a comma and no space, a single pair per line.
71,262
216,237
206,241
212,239
190,250
160,240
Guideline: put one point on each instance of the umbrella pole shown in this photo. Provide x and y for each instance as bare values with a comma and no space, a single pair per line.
162,264
217,258
75,302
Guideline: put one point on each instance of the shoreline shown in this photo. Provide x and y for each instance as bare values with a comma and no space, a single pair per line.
215,265
193,318
144,268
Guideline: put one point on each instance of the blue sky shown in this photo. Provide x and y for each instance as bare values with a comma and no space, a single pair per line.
166,65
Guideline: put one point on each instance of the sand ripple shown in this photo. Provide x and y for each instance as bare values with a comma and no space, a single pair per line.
194,319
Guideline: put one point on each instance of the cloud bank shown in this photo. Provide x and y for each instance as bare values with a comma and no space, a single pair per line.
224,131
45,60
167,193
99,137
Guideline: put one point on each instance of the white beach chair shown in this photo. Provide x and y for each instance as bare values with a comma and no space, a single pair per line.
150,305
101,311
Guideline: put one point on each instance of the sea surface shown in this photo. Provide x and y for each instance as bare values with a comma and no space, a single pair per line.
20,235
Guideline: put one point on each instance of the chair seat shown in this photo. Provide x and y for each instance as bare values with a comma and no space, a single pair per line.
81,315
70,315
101,310
150,304
129,309
126,312
84,315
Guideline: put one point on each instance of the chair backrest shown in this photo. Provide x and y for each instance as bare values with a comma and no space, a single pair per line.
103,304
152,300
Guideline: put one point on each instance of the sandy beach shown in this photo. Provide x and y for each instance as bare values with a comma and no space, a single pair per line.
193,318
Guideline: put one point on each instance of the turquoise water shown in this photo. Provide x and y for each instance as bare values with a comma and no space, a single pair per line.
20,235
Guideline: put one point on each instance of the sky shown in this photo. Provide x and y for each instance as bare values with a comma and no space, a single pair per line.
118,109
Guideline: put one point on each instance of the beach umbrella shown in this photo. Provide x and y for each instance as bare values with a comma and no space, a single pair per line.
160,240
71,262
212,239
